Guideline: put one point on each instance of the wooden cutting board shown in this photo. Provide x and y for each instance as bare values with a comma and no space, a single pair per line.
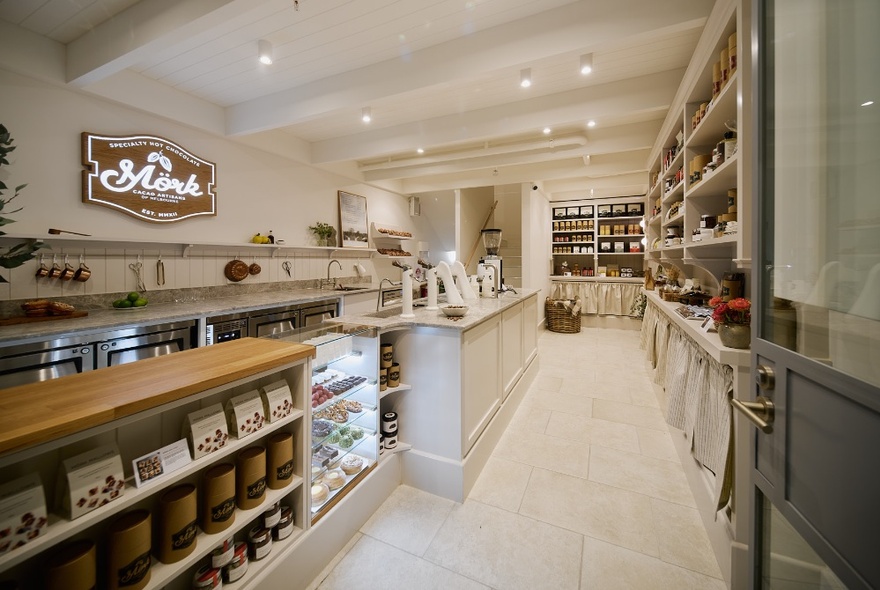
23,319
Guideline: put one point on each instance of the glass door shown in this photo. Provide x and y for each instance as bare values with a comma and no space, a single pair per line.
816,354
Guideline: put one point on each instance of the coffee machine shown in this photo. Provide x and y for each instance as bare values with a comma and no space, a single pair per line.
492,243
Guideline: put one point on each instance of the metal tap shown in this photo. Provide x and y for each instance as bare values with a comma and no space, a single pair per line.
328,270
382,282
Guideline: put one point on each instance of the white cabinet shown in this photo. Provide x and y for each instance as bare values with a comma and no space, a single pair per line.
358,303
481,378
530,332
512,347
141,407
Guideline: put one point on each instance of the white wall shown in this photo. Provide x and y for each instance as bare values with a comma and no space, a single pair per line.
536,236
474,207
256,192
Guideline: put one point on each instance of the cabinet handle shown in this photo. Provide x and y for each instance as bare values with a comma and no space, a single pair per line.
760,412
766,377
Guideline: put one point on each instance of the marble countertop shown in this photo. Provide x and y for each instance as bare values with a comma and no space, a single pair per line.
104,320
478,311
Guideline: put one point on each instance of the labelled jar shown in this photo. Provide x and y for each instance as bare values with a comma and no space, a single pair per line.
129,539
285,524
279,465
259,543
394,375
218,498
73,567
178,512
386,355
250,478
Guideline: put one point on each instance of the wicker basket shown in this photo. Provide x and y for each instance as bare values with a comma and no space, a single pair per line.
559,319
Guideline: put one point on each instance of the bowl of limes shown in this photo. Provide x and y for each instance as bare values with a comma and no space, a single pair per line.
133,300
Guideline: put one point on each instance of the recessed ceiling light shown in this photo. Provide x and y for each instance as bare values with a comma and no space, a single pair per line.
264,50
586,63
366,115
525,77
591,123
867,103
547,130
420,151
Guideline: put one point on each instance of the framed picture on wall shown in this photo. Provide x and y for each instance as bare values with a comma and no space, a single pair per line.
353,220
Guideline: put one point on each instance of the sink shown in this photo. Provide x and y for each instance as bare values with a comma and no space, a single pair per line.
389,312
343,288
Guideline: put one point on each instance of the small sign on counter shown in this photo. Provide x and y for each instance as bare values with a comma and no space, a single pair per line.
168,459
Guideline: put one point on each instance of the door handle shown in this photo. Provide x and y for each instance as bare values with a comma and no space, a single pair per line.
759,412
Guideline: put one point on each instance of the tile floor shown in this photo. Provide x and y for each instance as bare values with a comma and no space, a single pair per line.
584,491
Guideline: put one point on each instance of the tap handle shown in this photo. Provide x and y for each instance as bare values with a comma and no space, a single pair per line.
425,264
400,265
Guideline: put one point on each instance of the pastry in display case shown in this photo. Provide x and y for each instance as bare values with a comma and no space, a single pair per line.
344,416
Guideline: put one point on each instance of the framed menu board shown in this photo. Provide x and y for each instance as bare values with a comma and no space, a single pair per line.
353,220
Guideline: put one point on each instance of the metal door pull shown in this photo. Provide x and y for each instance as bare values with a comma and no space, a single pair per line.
759,412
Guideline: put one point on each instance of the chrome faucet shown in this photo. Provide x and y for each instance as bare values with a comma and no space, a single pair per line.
328,270
382,282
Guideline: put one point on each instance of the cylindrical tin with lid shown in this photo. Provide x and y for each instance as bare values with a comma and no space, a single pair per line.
386,355
285,524
731,52
235,569
724,60
218,498
73,567
383,379
394,375
128,551
178,512
391,440
250,478
279,453
716,79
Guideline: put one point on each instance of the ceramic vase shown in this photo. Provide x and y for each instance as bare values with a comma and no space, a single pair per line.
735,335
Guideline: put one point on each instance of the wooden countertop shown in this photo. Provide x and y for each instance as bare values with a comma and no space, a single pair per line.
41,412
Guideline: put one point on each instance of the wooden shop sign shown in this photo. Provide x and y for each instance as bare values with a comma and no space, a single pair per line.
147,177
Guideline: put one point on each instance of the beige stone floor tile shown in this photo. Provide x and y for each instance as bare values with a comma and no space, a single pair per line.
372,564
408,519
685,542
547,452
546,382
593,431
652,477
603,512
559,401
610,567
596,390
657,444
502,484
643,416
529,417
505,550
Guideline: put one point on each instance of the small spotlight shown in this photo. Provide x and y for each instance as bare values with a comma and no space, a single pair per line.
420,151
547,130
264,50
525,77
867,103
586,63
591,123
366,115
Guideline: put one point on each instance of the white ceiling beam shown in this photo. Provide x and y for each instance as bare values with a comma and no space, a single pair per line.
626,97
563,30
147,28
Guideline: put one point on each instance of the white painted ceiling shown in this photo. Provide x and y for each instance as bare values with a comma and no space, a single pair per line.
442,75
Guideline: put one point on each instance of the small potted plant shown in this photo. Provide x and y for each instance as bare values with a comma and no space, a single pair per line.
17,254
325,234
733,321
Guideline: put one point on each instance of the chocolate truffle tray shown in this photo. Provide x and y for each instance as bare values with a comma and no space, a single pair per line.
331,385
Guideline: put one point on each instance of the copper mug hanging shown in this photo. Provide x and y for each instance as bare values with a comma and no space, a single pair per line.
83,273
68,271
55,271
42,270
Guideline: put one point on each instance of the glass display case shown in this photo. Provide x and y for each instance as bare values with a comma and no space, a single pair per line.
343,415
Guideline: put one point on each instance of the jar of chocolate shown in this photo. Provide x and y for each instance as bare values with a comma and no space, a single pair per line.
235,569
207,577
285,524
259,543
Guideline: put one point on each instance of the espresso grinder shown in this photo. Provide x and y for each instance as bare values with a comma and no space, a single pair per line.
489,269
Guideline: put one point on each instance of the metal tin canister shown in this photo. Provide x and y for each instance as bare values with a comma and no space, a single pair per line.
218,498
128,554
72,567
178,511
250,478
